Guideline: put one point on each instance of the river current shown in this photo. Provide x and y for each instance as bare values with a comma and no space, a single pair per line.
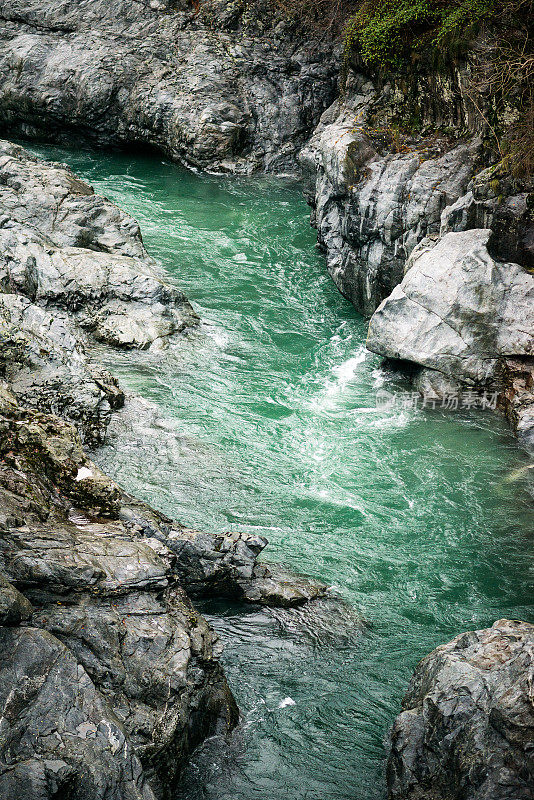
266,420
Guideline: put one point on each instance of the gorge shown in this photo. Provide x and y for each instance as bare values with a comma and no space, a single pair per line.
219,376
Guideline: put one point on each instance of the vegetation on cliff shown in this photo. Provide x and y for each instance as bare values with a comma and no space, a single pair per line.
495,36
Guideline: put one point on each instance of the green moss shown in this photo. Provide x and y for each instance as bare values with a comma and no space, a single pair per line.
390,33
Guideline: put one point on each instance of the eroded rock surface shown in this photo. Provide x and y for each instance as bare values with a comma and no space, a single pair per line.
68,250
376,197
73,268
124,634
462,316
197,86
59,736
467,725
45,363
457,310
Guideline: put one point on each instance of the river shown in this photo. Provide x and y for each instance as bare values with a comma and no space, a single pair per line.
266,420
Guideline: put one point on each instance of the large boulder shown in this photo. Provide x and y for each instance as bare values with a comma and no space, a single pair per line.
467,725
457,310
68,250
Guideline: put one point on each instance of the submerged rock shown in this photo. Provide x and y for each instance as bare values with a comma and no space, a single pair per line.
467,725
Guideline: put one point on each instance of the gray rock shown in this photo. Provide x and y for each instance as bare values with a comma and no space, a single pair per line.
150,73
46,445
457,310
225,565
517,397
49,198
45,363
14,607
505,204
467,725
68,250
375,201
110,596
59,736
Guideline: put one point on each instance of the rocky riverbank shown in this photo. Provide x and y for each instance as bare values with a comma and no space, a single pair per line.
424,238
110,678
467,722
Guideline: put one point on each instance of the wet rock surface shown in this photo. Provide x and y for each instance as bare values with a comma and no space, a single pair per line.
199,87
517,397
220,565
467,723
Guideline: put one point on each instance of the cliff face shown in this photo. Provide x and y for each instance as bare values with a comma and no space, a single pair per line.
155,74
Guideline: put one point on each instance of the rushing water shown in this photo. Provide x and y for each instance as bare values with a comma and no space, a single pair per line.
265,420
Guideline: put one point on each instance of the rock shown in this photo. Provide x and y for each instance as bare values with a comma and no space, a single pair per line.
517,397
14,607
503,203
376,197
224,565
59,736
86,258
457,310
120,623
467,725
44,444
44,360
274,586
49,198
159,75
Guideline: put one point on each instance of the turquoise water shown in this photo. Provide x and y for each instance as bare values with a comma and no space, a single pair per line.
265,420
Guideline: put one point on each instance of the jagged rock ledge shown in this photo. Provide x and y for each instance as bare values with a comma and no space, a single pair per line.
109,676
467,725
